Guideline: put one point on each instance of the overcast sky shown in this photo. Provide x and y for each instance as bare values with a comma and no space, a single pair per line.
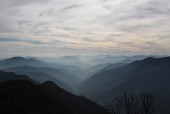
66,27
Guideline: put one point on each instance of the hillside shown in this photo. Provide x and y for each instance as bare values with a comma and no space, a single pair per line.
6,76
24,97
150,74
57,74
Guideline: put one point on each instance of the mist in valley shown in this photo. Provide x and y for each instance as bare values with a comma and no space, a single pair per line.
84,57
98,78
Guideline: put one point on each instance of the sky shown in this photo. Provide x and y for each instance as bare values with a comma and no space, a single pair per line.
84,27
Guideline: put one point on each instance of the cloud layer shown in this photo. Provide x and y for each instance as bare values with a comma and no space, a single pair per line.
64,27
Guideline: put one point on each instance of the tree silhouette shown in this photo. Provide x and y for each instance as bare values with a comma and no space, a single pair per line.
132,104
147,103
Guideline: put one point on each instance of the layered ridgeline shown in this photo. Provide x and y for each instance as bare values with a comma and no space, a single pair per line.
22,61
42,71
6,76
86,66
42,74
148,75
62,71
109,81
67,72
21,95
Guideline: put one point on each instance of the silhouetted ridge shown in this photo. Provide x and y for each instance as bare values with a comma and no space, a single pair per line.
25,97
15,58
18,83
6,76
20,59
59,76
50,84
152,60
149,59
77,104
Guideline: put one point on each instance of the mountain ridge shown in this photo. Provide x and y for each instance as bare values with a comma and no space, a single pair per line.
28,98
109,79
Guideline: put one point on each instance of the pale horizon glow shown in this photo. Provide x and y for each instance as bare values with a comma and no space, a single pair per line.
90,27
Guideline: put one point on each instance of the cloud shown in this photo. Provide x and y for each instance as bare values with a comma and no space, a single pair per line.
19,40
26,2
71,7
103,26
155,7
8,40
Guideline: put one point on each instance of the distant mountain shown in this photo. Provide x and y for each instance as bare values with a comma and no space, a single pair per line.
69,58
64,66
24,97
105,59
112,66
58,74
42,77
90,71
70,62
110,62
150,74
114,62
6,76
131,59
127,60
20,61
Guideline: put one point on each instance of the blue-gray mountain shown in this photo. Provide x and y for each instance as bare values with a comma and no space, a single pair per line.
6,76
21,96
148,75
42,71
